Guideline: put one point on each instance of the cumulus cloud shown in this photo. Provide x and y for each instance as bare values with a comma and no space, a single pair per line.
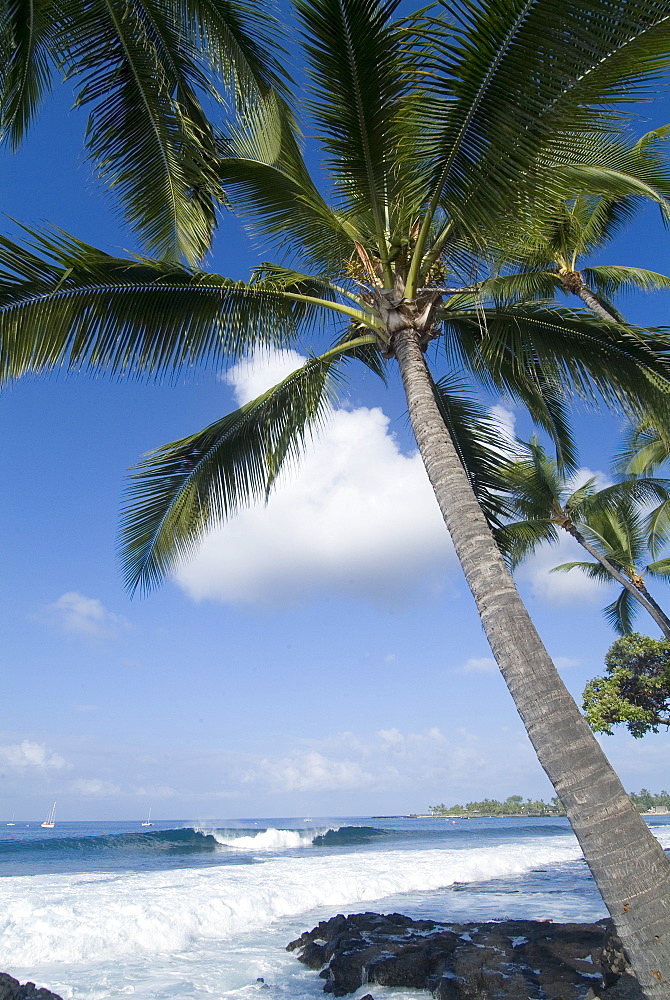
94,788
28,754
478,665
573,587
307,772
79,615
388,760
254,375
357,517
565,662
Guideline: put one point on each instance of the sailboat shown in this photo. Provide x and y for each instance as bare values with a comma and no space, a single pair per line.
12,822
50,822
148,822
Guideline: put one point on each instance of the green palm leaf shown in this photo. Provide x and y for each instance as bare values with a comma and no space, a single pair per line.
26,33
502,107
572,350
621,613
610,279
519,540
243,43
182,490
267,181
479,441
136,74
76,307
359,79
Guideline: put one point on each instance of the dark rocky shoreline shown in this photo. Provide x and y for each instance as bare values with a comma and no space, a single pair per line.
498,960
12,989
501,960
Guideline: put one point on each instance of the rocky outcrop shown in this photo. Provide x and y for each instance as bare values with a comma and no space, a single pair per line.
503,960
11,989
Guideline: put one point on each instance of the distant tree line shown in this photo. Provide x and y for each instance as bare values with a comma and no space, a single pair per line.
646,800
515,805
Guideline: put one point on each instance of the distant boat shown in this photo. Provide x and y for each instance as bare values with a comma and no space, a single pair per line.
12,822
50,822
148,822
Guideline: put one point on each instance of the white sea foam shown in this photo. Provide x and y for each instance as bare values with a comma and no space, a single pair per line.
265,840
83,919
190,934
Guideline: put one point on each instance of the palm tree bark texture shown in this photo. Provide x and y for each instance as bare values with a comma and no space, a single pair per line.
625,858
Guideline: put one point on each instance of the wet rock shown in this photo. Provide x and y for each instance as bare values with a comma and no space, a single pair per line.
11,989
503,960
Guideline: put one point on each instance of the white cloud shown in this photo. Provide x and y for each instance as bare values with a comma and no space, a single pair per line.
155,792
307,772
28,754
94,788
478,665
80,615
572,587
389,760
357,517
565,662
252,376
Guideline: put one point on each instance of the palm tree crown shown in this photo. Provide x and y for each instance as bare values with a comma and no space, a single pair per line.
610,523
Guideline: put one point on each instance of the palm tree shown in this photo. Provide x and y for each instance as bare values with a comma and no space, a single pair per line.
609,523
545,256
146,71
437,130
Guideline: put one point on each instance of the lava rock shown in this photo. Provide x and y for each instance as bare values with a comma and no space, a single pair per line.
501,960
11,989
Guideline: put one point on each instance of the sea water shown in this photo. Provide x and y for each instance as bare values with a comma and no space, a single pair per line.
201,910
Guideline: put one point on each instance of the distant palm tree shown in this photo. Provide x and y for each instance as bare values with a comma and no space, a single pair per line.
146,71
545,256
438,130
609,523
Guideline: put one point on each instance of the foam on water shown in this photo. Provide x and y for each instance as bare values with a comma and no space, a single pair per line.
190,933
264,840
80,919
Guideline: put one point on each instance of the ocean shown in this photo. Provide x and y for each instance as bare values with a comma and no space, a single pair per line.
201,910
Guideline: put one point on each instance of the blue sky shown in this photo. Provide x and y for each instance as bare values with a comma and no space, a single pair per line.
321,656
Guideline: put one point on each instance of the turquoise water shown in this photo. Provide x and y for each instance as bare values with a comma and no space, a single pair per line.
195,909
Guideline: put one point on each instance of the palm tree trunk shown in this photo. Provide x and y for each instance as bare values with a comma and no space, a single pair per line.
626,860
641,595
572,281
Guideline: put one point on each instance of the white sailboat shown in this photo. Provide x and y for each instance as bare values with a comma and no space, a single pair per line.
50,822
148,822
12,822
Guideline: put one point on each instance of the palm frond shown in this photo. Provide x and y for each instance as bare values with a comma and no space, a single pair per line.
660,568
243,41
611,279
520,539
620,614
184,489
268,183
359,79
137,74
70,305
573,350
593,570
657,528
504,102
522,285
26,31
